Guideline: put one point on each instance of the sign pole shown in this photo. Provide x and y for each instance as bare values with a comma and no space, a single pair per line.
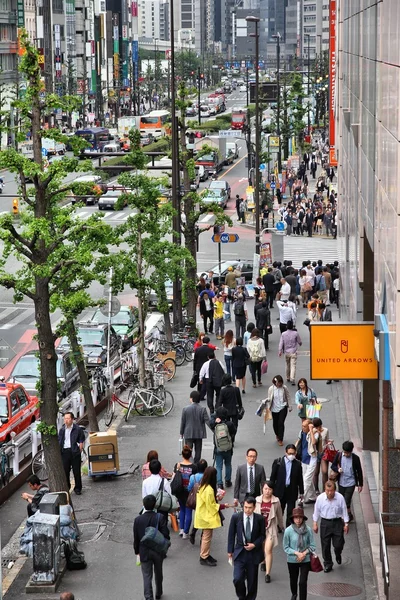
109,321
219,262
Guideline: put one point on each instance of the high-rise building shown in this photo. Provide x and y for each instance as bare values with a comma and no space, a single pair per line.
204,26
153,19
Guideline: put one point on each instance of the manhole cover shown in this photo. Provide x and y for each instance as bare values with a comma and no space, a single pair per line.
91,532
334,590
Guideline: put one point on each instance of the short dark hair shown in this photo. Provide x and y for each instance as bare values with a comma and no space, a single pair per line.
155,467
348,446
251,450
250,500
195,396
317,422
211,354
226,379
206,339
149,502
202,465
221,413
289,325
33,480
250,327
239,341
290,447
269,483
69,413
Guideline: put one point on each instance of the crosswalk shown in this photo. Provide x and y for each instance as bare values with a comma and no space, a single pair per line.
301,248
23,314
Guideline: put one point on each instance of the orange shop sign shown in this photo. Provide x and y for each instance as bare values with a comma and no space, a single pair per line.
342,351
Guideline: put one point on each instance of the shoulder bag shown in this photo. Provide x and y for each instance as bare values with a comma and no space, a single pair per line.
165,502
315,563
329,453
240,412
191,501
154,539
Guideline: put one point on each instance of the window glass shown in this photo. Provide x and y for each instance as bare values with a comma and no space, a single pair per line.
14,403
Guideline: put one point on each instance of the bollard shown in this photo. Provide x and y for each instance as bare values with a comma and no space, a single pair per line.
75,399
16,458
34,436
81,406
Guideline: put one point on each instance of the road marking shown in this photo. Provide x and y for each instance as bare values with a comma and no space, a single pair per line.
232,167
243,179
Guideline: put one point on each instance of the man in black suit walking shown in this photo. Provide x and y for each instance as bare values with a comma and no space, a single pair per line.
246,547
201,356
268,283
249,478
150,559
287,477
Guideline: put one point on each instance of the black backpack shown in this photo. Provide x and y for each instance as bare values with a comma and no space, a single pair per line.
239,308
75,558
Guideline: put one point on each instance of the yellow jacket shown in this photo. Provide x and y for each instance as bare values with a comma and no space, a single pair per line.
207,509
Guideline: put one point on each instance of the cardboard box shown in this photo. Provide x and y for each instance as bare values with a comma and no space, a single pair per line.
100,446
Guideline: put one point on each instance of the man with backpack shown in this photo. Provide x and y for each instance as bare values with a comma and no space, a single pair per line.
240,312
224,435
151,554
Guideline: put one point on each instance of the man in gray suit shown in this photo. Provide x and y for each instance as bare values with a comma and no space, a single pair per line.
249,478
193,424
326,313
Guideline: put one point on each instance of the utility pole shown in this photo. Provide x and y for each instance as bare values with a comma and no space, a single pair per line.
247,85
278,100
308,83
198,93
256,20
176,200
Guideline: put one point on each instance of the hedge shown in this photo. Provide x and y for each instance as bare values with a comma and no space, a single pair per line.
161,146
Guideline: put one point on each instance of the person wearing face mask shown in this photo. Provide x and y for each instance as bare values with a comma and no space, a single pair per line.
287,479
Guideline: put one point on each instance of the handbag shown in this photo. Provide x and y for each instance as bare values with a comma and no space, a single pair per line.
307,322
177,487
191,501
195,380
333,475
240,413
313,410
154,539
315,563
267,415
329,453
165,502
269,329
264,366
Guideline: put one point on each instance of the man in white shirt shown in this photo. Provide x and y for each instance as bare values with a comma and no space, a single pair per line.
151,485
285,289
331,508
286,314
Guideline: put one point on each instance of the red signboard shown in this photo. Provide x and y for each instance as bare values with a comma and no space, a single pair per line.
134,8
332,79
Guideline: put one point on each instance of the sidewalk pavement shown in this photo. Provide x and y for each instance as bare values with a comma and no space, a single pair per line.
107,507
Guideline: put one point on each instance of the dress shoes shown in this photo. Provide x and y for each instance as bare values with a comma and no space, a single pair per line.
206,562
263,567
327,569
78,492
339,559
268,578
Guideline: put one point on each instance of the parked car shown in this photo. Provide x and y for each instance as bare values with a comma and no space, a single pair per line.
146,139
97,188
153,296
245,266
110,199
203,172
242,88
221,184
125,324
93,338
205,110
18,410
209,196
27,372
191,111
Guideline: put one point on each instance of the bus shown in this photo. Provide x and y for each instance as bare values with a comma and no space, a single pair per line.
96,136
157,122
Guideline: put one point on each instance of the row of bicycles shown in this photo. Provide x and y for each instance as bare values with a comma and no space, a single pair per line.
161,360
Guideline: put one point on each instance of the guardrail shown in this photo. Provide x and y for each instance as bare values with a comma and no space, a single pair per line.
383,553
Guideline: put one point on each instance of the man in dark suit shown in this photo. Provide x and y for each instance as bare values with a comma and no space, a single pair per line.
246,547
249,478
71,439
268,283
150,559
309,222
214,381
201,355
287,477
193,424
326,313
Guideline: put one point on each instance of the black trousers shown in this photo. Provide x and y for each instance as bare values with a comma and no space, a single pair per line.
208,315
255,370
347,492
198,445
282,327
331,533
288,501
244,570
210,395
240,326
278,423
155,563
270,299
72,460
295,570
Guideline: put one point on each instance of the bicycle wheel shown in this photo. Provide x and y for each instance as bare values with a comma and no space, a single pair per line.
169,368
39,466
145,402
167,400
109,412
125,370
131,402
189,351
180,355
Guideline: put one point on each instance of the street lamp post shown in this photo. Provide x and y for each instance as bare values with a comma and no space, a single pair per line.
308,83
256,20
199,93
278,100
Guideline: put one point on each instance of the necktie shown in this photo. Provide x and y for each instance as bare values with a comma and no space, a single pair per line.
248,530
251,481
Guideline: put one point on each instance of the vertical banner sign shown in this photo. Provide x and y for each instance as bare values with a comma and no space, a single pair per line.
332,81
135,58
115,20
20,23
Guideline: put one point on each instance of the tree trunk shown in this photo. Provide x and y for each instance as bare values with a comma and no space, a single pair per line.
141,309
48,405
190,243
83,376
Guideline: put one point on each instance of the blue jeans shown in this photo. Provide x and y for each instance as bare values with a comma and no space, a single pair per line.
185,516
229,365
220,459
227,308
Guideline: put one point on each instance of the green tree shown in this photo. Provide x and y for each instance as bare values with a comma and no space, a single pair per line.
45,246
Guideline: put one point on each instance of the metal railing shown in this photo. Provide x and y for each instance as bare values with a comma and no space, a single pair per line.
384,558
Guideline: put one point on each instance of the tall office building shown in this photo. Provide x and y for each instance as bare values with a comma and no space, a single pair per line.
204,26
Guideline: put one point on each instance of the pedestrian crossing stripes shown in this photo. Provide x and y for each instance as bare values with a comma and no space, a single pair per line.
108,216
301,248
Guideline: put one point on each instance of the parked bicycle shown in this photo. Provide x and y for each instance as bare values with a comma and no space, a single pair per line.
101,381
148,402
6,470
160,344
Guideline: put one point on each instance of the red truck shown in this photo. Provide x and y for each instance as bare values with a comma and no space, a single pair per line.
239,118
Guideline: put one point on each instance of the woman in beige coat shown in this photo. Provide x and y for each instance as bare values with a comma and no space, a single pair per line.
270,507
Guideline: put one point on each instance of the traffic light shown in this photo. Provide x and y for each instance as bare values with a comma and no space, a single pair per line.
15,206
191,138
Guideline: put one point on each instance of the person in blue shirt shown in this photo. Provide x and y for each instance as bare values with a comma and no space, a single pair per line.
196,478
